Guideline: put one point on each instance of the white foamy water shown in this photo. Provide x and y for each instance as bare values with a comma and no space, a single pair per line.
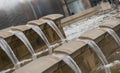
76,29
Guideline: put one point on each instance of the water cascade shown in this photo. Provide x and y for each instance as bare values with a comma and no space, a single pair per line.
24,39
7,49
99,53
42,35
114,35
56,29
69,61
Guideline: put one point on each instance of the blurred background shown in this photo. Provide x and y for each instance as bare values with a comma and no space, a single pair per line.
18,12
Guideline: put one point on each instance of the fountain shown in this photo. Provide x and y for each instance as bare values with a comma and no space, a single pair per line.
113,34
42,35
7,49
69,61
99,53
56,29
24,39
80,52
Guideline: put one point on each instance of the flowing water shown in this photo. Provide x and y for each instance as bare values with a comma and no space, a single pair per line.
114,35
99,53
56,29
42,35
70,62
7,49
24,39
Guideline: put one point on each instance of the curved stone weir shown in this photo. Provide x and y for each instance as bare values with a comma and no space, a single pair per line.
24,39
99,53
42,35
55,28
50,59
113,34
81,52
20,35
69,61
7,49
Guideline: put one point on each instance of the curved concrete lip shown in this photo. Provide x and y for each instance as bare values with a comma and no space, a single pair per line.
53,16
37,22
70,47
92,34
20,28
110,24
44,63
5,34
